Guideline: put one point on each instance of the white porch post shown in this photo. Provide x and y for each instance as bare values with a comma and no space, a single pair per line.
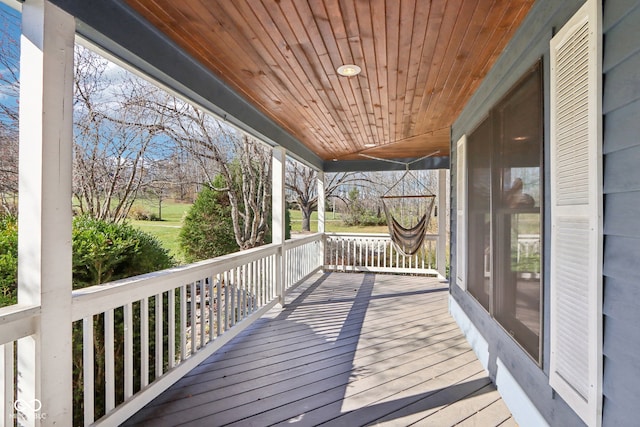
278,225
44,242
441,262
321,215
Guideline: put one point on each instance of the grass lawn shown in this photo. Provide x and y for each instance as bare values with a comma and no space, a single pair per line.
168,229
333,224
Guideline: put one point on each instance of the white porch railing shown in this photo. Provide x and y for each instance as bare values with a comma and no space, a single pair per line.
16,322
376,253
202,305
303,256
116,332
124,356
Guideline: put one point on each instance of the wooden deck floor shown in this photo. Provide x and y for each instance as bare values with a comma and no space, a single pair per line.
348,350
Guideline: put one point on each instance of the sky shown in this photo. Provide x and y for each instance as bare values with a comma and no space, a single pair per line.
9,26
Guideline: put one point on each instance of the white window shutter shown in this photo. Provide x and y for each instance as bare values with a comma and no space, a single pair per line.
461,218
576,213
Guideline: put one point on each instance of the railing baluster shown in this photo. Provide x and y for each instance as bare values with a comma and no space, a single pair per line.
109,362
7,392
240,297
233,310
203,311
257,271
211,308
288,268
171,324
87,369
192,312
267,279
159,336
272,276
252,268
261,274
388,252
244,292
249,289
367,253
293,267
226,300
144,342
128,350
218,304
183,322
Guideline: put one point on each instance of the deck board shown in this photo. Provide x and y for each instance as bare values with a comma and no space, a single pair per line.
348,349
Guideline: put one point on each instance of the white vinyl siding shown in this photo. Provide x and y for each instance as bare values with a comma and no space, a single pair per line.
461,219
576,213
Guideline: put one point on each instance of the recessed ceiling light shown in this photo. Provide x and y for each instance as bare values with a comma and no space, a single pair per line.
349,70
369,145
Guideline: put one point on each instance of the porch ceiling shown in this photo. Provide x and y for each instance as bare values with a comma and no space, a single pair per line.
421,61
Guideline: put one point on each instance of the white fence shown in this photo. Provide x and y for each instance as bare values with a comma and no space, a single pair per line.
376,253
135,337
16,322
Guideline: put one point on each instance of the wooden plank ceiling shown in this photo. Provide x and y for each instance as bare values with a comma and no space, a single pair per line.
421,61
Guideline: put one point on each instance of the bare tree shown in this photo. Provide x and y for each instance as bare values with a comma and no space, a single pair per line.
243,162
9,94
302,186
185,174
113,138
160,181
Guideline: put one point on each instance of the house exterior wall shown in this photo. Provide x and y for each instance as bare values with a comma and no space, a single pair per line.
621,151
501,352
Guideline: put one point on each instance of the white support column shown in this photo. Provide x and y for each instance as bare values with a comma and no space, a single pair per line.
278,226
44,242
442,223
321,214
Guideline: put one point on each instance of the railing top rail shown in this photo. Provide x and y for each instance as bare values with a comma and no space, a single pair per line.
96,299
17,321
300,241
429,236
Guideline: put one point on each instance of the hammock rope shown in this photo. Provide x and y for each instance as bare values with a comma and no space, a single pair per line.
407,240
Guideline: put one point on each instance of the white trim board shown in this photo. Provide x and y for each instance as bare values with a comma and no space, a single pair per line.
523,410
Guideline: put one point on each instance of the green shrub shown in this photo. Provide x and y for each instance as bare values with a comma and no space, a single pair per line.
104,251
358,215
101,252
287,225
207,230
8,260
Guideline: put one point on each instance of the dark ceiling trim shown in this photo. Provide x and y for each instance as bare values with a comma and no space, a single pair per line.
381,165
115,27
